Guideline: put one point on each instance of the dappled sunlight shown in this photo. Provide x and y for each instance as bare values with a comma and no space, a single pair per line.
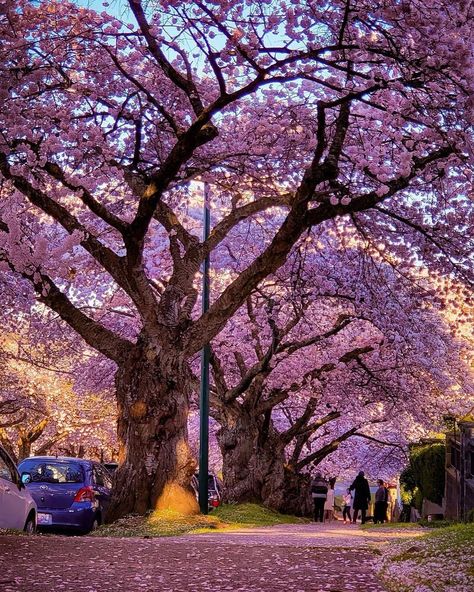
316,535
178,499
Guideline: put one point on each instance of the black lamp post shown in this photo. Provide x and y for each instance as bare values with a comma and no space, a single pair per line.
204,391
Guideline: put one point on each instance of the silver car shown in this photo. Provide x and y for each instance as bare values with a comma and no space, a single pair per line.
17,507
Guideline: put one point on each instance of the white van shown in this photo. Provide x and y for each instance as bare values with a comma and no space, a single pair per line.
17,507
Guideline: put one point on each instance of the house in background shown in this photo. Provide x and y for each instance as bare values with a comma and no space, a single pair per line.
459,487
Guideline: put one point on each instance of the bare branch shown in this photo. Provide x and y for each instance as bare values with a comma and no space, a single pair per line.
319,455
93,333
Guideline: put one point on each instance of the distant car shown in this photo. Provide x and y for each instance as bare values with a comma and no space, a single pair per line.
17,507
70,493
214,490
110,466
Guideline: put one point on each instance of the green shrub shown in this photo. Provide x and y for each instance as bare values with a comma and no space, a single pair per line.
407,479
425,475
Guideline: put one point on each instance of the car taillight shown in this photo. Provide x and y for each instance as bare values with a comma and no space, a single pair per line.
85,494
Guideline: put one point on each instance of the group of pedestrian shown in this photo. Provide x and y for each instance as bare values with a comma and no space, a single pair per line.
358,501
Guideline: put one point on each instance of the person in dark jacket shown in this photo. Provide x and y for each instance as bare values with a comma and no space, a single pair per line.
361,497
381,503
319,493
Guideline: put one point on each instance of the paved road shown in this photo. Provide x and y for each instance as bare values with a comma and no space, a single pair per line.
289,558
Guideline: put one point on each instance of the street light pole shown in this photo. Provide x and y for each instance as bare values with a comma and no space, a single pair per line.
204,392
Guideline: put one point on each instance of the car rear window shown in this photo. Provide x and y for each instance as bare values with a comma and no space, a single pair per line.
211,484
53,472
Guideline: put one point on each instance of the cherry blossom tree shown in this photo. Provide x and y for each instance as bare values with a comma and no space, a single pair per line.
295,114
41,411
328,362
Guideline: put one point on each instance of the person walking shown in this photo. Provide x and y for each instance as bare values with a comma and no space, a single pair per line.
346,506
361,489
381,502
329,503
319,493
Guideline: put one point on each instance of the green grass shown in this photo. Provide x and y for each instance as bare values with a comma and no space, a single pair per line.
253,515
454,536
5,531
436,523
448,540
436,561
391,525
166,523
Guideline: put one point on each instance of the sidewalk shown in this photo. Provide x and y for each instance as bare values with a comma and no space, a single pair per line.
289,558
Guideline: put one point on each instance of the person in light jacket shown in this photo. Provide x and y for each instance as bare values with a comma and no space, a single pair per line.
346,506
319,493
329,504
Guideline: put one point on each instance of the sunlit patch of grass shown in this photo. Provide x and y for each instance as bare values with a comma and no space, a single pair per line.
253,515
178,499
162,523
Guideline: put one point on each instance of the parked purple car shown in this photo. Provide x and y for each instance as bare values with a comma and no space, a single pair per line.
69,492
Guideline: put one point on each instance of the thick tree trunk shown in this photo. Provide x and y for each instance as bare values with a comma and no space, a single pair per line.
296,494
6,443
253,459
28,436
24,448
255,467
155,462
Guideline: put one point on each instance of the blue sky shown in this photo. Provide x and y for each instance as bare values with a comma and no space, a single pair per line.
116,7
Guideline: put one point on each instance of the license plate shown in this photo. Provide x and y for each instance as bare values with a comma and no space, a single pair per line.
44,518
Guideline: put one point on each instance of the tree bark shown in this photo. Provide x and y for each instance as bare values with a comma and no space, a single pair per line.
155,462
296,493
255,468
253,458
6,443
28,436
24,448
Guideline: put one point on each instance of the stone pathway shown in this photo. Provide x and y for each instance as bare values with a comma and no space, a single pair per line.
289,558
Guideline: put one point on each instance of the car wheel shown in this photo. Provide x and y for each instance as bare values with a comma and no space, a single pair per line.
95,524
30,526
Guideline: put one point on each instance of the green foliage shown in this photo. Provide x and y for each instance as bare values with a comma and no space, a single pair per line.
406,495
470,516
418,498
425,475
407,479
